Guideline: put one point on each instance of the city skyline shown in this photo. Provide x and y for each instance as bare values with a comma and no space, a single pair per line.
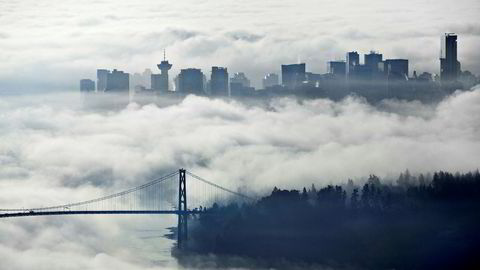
350,75
254,38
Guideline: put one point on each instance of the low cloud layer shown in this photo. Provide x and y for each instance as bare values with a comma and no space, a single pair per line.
52,151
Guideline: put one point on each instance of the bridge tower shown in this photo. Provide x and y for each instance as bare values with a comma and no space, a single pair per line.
182,209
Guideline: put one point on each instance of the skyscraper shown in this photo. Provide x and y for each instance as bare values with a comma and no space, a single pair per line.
240,78
136,81
336,68
293,75
159,82
190,81
117,81
87,85
102,79
147,78
240,85
219,81
449,65
396,69
270,80
372,60
353,59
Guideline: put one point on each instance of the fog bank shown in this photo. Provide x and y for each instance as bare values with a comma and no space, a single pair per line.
54,151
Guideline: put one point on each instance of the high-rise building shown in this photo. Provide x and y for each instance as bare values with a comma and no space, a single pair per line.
353,59
270,80
147,78
449,65
240,85
136,80
240,78
293,75
372,61
336,68
102,79
313,78
362,73
118,81
219,81
159,82
191,81
396,69
87,85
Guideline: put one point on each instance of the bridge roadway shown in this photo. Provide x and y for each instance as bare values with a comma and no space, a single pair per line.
99,212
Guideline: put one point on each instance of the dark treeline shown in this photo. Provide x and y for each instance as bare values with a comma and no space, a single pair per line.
419,222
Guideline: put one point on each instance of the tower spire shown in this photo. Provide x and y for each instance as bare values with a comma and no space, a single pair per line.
160,81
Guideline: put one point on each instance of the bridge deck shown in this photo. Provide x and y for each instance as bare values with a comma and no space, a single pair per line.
99,212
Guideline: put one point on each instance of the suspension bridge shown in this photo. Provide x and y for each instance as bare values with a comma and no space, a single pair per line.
163,195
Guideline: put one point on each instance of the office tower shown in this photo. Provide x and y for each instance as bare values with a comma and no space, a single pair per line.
240,78
396,69
191,81
219,81
87,85
159,82
147,78
293,75
449,65
136,81
240,85
361,72
372,61
102,79
270,80
353,59
117,81
336,68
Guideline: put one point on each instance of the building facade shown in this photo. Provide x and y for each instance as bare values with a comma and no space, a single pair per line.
219,82
270,80
293,75
372,61
118,81
337,68
102,79
353,60
449,65
190,81
396,69
240,85
87,85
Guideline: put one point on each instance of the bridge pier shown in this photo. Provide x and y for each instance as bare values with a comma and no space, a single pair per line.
182,227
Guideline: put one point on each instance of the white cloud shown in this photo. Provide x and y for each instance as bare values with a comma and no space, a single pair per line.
56,152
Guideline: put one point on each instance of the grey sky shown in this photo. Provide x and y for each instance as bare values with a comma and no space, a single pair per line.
52,44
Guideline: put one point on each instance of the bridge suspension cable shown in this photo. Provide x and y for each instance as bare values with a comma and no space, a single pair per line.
219,187
158,196
115,195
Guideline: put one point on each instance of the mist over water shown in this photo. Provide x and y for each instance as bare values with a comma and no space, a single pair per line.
53,151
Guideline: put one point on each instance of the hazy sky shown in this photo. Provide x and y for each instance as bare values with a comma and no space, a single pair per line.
52,44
